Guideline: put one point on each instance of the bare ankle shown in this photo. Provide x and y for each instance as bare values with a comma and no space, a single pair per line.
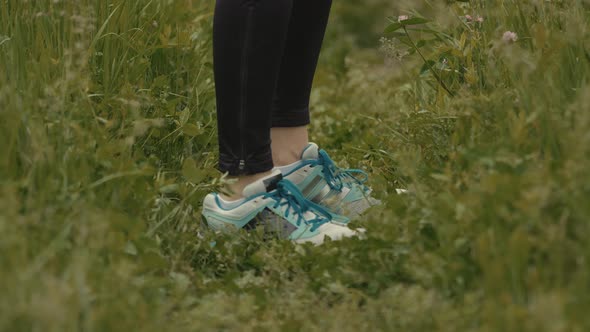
287,144
233,191
285,157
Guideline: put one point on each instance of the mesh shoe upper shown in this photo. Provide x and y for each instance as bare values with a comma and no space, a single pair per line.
341,190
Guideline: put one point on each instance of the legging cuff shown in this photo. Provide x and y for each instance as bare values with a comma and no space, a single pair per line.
292,118
251,165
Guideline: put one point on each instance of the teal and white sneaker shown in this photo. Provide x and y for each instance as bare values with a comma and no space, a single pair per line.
278,206
342,191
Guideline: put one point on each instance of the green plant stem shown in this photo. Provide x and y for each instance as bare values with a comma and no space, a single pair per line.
438,78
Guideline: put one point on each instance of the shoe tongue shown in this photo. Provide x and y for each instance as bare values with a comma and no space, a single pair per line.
310,152
263,185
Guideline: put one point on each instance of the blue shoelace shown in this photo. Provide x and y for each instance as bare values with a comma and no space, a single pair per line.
335,176
287,194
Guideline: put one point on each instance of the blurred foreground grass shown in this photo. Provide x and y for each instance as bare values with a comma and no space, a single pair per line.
108,147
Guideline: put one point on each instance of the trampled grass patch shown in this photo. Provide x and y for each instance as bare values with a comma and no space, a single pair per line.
479,109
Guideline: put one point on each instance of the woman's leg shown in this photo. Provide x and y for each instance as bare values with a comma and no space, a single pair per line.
290,115
248,42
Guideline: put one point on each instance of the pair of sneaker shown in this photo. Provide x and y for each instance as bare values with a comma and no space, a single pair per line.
306,201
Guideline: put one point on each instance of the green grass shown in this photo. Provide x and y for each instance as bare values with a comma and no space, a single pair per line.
108,147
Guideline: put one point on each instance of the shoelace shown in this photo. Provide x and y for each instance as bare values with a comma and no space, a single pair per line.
287,194
336,176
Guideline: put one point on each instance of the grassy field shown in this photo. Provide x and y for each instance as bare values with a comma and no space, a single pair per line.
108,146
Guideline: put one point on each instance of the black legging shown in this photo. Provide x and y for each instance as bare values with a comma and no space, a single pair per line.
265,56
